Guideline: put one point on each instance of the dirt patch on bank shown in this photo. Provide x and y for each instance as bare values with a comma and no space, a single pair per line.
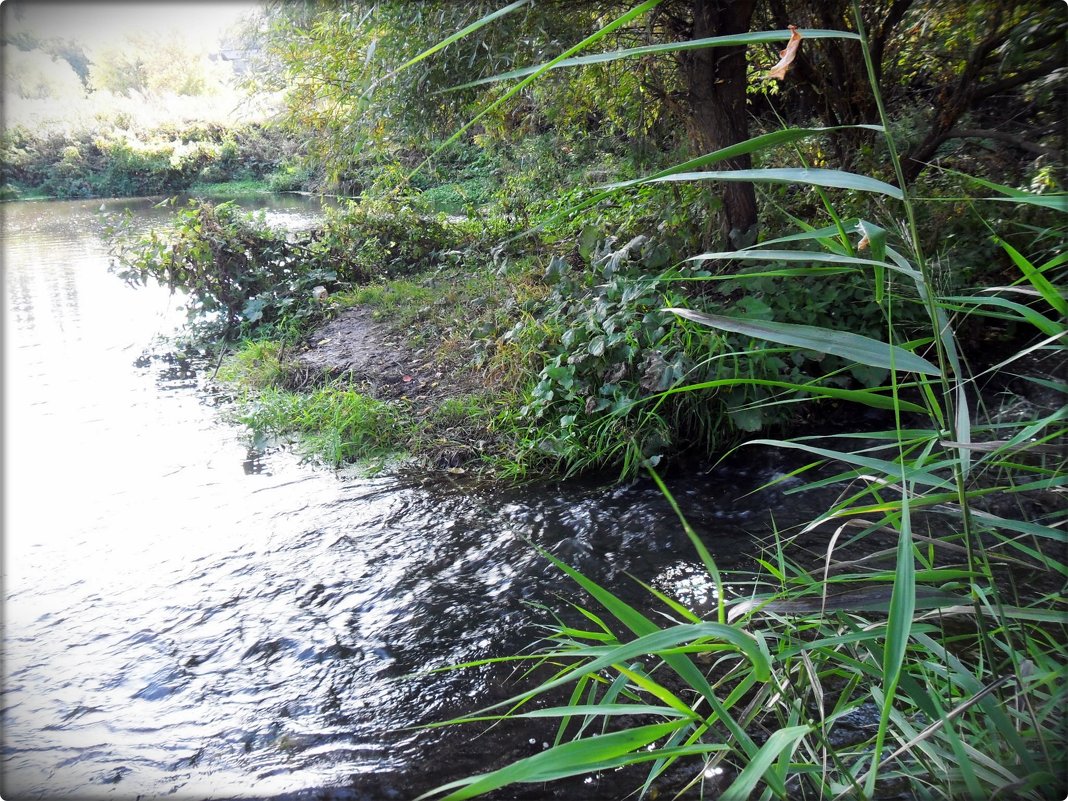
378,359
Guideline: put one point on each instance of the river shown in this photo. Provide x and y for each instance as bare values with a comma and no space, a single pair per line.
186,617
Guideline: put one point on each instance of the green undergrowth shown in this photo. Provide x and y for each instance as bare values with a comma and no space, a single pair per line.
235,188
121,159
456,421
576,367
568,337
336,423
908,641
333,423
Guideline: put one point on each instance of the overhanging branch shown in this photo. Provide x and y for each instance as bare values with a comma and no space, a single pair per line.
1004,136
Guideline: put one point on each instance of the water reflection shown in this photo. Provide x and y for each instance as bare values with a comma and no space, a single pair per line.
184,616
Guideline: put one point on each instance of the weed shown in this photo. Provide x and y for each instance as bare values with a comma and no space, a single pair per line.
257,364
335,424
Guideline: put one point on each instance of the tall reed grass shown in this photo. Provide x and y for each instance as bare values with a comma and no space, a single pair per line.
950,642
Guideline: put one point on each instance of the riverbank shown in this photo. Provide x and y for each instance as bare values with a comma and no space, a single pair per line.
122,158
405,335
359,388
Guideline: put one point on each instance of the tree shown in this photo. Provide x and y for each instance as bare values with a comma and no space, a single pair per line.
338,64
146,64
35,75
118,70
936,61
939,63
716,81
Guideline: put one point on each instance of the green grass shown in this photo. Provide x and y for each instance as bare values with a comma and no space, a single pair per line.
332,424
257,364
459,197
400,301
229,188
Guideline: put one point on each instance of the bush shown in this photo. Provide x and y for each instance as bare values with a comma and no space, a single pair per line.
376,238
244,277
124,161
238,272
290,177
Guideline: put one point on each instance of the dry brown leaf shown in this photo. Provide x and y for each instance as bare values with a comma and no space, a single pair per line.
787,56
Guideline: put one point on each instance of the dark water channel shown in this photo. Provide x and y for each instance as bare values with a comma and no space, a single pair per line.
185,618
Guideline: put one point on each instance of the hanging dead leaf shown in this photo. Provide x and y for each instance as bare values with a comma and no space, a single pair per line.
787,56
864,243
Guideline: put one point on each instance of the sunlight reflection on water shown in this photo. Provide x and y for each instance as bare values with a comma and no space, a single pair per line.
182,617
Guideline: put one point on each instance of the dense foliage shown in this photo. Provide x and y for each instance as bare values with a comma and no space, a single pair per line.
147,114
242,277
957,77
117,161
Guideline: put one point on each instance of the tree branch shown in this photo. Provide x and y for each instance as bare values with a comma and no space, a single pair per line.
1005,136
1022,77
897,12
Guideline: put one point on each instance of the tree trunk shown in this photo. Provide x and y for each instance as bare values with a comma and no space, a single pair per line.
716,84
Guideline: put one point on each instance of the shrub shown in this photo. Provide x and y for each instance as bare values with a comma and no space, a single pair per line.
238,272
126,161
244,277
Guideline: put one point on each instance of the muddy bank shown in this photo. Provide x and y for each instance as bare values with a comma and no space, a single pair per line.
441,397
375,358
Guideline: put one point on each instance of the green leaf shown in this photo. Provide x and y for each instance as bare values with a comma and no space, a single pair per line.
1058,201
853,347
663,640
680,663
253,311
893,470
1049,292
902,603
734,40
460,34
827,234
598,709
746,418
784,272
557,762
790,175
699,546
756,144
781,741
867,397
876,237
1023,526
620,21
898,628
1023,313
813,256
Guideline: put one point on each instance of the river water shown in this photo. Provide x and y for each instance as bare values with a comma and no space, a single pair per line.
185,617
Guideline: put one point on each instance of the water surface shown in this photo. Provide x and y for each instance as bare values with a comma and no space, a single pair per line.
185,617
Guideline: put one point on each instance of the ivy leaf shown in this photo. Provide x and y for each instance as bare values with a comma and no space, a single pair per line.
253,311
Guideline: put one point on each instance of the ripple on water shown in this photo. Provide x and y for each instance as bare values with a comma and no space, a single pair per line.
184,617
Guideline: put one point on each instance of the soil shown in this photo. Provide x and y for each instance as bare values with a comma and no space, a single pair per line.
379,361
